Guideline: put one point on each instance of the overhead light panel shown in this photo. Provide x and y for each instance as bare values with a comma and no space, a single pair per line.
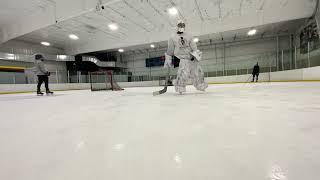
62,57
121,50
152,46
252,32
73,36
173,11
113,26
45,43
196,40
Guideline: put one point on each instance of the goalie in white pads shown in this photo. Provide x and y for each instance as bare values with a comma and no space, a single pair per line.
183,47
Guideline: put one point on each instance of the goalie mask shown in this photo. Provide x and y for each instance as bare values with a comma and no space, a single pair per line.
181,27
39,57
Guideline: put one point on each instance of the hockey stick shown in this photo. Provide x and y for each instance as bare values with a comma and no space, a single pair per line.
247,80
164,90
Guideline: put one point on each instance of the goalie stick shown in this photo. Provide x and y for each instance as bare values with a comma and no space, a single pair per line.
164,90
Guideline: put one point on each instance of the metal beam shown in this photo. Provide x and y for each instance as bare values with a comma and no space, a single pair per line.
129,19
160,13
198,10
137,11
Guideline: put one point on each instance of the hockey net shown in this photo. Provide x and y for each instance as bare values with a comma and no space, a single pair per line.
102,81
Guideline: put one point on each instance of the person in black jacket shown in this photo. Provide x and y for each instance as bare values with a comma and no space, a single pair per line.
255,72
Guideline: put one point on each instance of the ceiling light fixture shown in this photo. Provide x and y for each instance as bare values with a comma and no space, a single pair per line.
152,46
45,43
73,36
252,32
113,26
121,50
63,57
173,11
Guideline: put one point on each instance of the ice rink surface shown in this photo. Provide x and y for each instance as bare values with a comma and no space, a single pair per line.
264,131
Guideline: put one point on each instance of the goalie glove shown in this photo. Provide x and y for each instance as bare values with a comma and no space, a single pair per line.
168,61
197,55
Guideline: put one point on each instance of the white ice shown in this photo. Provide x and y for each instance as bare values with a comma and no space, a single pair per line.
264,131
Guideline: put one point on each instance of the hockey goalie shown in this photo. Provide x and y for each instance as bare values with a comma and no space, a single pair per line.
182,46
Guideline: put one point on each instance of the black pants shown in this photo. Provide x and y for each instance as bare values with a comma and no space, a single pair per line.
41,79
255,75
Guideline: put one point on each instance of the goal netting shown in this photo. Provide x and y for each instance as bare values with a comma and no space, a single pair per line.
102,81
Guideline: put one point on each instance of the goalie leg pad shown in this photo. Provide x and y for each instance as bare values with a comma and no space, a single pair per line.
182,76
197,76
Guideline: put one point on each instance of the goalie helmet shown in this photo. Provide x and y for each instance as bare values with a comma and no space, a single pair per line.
38,57
181,26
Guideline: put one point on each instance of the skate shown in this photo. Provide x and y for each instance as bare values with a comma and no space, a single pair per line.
49,92
39,93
